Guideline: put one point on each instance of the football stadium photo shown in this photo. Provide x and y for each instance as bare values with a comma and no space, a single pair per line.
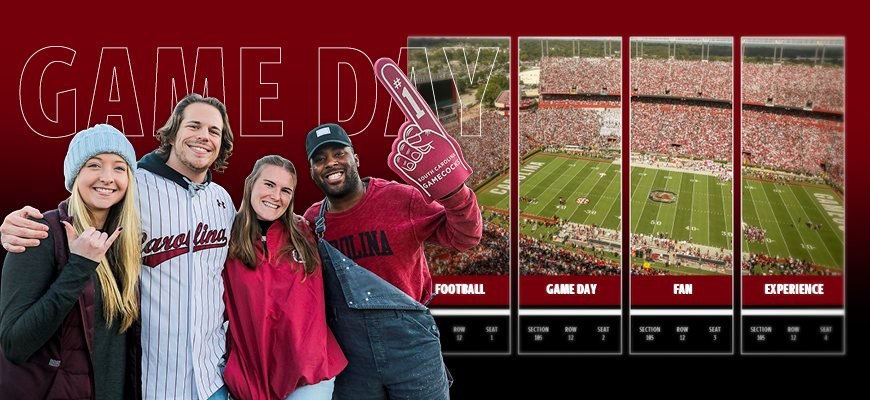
793,148
681,156
569,144
466,81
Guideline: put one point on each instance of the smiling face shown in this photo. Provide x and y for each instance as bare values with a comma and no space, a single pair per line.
197,142
272,192
102,183
334,168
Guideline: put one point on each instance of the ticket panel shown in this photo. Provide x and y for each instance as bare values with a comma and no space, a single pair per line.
570,180
793,180
681,183
465,82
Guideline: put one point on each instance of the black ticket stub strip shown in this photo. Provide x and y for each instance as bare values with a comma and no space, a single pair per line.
784,334
683,334
474,333
567,334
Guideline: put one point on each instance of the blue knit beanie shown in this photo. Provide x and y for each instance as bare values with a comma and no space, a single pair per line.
92,141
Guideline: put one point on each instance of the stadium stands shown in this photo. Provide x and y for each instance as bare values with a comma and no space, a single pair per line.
759,264
537,257
583,127
794,86
485,144
682,127
580,75
490,257
794,140
682,78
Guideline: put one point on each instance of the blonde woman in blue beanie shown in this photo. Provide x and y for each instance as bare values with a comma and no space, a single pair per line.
67,308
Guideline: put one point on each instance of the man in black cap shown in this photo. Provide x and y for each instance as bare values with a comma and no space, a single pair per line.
376,279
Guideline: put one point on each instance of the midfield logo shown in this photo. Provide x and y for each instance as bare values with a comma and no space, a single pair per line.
663,196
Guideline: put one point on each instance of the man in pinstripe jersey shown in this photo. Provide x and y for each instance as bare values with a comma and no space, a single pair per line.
186,221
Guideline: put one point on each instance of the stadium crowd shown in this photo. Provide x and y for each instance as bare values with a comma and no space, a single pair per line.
682,127
580,75
662,242
794,85
682,78
587,128
557,100
638,270
723,171
485,144
782,177
794,140
490,257
537,257
760,264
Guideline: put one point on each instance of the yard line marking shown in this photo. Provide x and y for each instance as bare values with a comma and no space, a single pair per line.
725,217
823,215
677,210
805,243
644,204
596,202
757,218
538,208
825,244
660,208
777,224
709,209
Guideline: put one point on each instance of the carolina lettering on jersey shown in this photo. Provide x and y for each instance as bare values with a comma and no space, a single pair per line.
158,250
363,244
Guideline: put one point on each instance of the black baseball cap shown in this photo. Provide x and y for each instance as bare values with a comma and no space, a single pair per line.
326,133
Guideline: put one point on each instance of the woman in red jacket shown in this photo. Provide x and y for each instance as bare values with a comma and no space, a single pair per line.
278,343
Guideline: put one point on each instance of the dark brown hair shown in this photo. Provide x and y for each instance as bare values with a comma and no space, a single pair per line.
166,134
246,230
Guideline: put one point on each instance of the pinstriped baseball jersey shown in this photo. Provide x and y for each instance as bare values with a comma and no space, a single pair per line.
183,338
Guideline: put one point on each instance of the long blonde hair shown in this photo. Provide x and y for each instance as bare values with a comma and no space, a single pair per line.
246,230
119,269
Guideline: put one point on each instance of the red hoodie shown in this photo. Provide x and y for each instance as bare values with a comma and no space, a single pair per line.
385,231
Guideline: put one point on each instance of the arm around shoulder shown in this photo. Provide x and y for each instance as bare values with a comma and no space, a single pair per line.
18,231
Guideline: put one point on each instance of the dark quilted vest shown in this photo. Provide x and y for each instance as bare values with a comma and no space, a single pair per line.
61,369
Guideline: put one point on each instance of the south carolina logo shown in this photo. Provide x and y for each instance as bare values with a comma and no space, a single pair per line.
663,196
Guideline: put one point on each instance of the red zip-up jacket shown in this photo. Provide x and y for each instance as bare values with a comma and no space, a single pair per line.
277,340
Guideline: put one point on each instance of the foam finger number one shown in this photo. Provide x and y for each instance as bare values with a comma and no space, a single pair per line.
424,155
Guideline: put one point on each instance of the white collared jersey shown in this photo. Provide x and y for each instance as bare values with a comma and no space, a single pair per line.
183,337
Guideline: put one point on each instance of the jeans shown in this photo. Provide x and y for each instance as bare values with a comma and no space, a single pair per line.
221,394
392,354
317,391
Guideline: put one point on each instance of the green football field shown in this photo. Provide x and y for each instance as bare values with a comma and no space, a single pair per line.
496,194
595,184
702,210
783,211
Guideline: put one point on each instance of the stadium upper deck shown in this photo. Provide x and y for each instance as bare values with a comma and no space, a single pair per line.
682,78
580,75
819,88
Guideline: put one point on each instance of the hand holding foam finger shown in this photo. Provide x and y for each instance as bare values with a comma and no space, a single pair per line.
424,155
